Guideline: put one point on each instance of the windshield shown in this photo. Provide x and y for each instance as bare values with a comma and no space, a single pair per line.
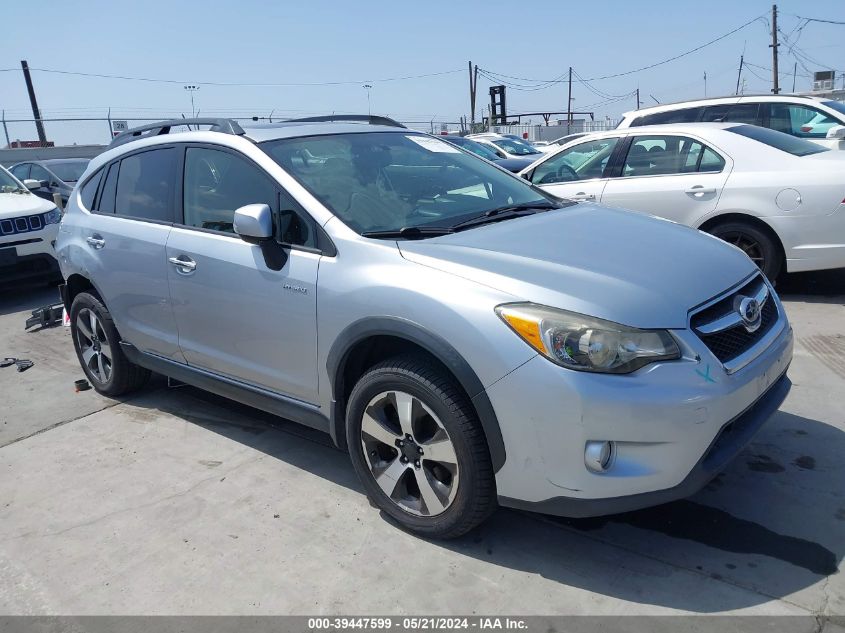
70,171
515,146
476,148
839,106
778,140
383,181
8,183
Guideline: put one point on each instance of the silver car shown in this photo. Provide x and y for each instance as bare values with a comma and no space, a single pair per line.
468,338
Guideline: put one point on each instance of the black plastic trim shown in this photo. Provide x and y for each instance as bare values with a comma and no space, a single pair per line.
271,402
713,461
332,118
226,126
432,343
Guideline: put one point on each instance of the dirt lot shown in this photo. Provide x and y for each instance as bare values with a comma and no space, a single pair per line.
177,502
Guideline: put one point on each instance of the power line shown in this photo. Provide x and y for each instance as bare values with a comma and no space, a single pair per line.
239,84
637,70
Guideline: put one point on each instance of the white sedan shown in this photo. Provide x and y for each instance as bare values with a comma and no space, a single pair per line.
779,198
507,146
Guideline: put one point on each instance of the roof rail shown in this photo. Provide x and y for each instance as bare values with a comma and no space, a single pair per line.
368,118
226,126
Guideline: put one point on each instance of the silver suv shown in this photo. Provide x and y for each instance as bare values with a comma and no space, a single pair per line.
469,339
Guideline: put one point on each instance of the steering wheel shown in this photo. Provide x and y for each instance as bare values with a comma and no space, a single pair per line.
571,173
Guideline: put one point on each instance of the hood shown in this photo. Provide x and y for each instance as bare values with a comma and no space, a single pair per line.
617,265
13,205
515,165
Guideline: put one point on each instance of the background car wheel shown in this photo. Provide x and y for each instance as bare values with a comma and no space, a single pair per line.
757,244
418,448
96,342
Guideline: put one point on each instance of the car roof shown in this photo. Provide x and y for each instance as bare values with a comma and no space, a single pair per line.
282,130
745,98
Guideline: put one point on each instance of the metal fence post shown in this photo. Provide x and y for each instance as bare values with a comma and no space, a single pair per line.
6,130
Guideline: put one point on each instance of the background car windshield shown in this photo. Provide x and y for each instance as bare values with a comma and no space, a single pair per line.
478,149
778,140
386,181
7,182
513,146
69,172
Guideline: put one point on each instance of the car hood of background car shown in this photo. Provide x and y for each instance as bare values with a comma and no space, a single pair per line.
14,205
617,265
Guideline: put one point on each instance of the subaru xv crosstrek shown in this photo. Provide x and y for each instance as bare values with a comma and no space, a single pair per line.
468,338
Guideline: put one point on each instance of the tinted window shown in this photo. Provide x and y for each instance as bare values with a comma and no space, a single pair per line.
778,140
733,113
662,155
684,115
579,162
145,185
106,201
21,172
516,147
217,183
800,120
838,106
39,173
89,190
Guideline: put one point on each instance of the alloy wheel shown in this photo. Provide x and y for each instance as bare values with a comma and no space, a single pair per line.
747,244
94,347
409,453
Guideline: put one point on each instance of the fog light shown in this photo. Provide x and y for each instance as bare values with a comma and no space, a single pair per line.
598,455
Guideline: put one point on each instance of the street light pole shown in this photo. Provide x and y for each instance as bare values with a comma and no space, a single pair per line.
192,89
367,87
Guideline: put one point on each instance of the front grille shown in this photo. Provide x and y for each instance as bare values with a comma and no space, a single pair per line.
722,330
24,224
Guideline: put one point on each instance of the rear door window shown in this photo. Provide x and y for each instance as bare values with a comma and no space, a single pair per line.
106,201
733,113
684,115
145,186
665,155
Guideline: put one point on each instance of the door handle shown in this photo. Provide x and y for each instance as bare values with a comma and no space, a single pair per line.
583,196
183,266
698,189
96,242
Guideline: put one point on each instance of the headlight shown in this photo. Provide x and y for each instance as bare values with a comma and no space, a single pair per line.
586,343
53,216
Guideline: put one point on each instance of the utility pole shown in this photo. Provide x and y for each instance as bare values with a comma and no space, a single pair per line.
705,83
39,126
473,84
794,72
739,74
638,99
774,47
569,104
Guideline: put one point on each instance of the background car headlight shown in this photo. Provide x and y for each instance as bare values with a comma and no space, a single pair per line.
586,343
53,216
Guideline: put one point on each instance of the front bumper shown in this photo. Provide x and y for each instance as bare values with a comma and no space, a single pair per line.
675,425
30,255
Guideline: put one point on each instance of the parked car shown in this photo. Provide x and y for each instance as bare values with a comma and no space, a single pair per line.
28,229
816,119
469,340
514,165
777,197
548,147
507,147
55,175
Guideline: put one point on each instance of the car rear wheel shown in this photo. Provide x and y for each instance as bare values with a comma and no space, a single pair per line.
97,345
418,448
755,243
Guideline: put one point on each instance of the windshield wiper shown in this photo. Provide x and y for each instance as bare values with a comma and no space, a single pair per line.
411,232
505,213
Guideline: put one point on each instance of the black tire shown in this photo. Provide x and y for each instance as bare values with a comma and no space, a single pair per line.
122,376
756,243
430,385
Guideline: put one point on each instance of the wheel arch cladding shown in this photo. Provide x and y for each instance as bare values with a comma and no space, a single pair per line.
368,341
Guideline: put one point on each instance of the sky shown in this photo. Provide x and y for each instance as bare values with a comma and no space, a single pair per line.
345,46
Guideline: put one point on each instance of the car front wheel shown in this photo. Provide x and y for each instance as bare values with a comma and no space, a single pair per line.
418,448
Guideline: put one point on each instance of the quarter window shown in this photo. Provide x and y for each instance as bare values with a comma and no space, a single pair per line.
21,172
579,162
145,185
663,155
89,190
217,183
800,120
106,202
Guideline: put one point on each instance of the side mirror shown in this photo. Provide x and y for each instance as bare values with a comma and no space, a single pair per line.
837,132
254,224
31,184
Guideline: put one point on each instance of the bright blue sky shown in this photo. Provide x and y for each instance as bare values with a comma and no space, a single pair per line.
324,41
